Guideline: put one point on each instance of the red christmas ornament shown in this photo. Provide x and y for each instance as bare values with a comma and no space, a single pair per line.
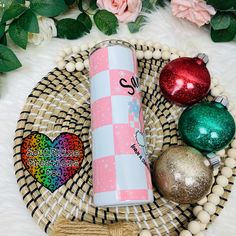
186,80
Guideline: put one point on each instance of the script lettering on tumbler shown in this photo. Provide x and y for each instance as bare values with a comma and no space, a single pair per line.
131,87
139,155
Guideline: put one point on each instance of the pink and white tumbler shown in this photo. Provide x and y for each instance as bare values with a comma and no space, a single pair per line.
121,174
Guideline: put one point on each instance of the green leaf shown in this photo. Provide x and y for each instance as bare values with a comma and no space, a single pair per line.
223,4
93,4
3,40
70,29
29,22
135,26
69,2
48,8
106,22
220,21
18,35
84,19
20,1
80,5
12,12
225,35
2,29
8,60
149,5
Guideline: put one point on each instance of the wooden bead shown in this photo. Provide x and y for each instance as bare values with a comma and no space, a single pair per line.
70,67
196,210
216,171
221,88
86,63
68,50
149,43
140,41
133,41
204,217
84,47
218,190
58,59
164,47
91,44
79,66
213,198
221,153
215,81
174,56
157,46
194,227
148,54
139,54
75,49
156,54
233,145
233,112
173,50
165,55
215,91
62,54
61,65
210,208
203,226
202,201
230,105
185,233
199,234
227,171
232,153
212,86
222,180
230,162
145,232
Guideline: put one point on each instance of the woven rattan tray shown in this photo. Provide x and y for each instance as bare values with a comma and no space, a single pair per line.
60,102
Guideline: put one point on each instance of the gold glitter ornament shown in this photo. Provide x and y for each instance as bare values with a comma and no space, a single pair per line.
182,174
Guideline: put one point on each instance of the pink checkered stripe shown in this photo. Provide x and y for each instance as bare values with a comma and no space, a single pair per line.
105,177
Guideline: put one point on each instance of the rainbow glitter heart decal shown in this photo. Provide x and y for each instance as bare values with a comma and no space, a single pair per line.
52,163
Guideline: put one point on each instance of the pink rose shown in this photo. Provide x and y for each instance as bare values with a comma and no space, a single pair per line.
196,11
125,10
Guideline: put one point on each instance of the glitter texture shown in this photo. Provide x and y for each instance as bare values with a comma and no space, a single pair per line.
182,174
207,126
185,80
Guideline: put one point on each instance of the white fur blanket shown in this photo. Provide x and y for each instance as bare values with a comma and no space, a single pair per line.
15,219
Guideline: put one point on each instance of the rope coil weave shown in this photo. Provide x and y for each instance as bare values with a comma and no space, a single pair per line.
60,103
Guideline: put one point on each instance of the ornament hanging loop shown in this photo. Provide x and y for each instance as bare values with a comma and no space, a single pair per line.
203,57
214,160
223,100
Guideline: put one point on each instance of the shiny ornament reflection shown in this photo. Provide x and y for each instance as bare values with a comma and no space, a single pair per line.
182,174
185,80
207,126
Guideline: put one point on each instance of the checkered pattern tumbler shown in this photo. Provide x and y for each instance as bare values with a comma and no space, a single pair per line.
121,174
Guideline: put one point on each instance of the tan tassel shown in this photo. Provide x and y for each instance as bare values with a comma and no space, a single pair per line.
64,227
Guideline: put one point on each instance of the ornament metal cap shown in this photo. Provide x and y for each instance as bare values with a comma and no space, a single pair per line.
223,100
204,57
213,159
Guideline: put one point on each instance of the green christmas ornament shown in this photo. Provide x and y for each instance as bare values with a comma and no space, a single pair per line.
207,126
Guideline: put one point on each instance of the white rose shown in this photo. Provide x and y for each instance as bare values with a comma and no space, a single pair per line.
47,30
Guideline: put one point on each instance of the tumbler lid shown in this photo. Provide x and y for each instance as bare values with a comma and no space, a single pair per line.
111,42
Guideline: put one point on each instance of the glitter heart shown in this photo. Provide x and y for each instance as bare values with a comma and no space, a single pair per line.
52,163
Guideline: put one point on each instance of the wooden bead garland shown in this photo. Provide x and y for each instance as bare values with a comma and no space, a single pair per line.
207,206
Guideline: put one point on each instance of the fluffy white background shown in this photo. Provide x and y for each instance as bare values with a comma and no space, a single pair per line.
15,220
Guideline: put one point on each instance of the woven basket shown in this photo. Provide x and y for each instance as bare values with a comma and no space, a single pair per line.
60,102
